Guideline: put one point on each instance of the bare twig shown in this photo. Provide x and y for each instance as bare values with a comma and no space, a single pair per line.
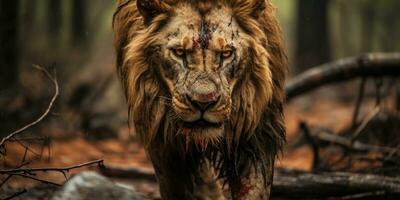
364,123
398,95
5,180
395,151
26,147
27,139
313,144
378,88
29,173
358,102
16,194
53,79
24,158
50,169
37,179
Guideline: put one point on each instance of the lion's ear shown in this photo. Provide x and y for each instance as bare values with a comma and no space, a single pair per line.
251,8
149,8
259,7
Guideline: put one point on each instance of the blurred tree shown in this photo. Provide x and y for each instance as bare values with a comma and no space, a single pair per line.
54,17
312,34
398,96
8,43
389,25
78,20
364,26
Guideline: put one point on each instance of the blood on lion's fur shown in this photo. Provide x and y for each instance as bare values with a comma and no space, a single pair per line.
227,53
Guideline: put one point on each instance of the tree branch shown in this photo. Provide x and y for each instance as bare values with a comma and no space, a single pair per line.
53,79
29,173
324,137
370,65
314,146
50,169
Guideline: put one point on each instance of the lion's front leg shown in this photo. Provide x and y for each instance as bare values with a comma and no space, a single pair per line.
253,185
186,178
208,185
173,173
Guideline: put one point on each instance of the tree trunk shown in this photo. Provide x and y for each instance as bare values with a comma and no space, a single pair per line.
312,34
79,28
368,15
54,17
8,43
398,96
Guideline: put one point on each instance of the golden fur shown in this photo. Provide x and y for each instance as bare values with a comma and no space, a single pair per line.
251,105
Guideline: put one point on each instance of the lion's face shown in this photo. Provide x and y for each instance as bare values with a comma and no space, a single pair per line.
203,58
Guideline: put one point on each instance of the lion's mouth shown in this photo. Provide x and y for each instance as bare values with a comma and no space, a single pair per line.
201,123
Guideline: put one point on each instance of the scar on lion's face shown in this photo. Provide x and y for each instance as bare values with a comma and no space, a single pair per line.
208,43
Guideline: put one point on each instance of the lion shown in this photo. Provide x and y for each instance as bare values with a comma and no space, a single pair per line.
204,82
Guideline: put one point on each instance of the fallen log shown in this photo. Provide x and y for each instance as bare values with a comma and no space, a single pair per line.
369,65
334,184
304,185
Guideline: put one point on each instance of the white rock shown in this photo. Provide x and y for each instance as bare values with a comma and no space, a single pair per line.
92,186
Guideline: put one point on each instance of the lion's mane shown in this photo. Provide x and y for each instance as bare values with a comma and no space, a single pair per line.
256,130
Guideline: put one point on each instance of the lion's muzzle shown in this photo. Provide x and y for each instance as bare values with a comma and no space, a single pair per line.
202,104
204,97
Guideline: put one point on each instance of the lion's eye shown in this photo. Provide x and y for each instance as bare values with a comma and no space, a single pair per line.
180,52
227,53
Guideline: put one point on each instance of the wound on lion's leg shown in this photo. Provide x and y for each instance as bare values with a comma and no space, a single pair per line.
253,185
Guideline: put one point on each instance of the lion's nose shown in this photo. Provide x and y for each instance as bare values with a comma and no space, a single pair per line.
203,102
203,95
